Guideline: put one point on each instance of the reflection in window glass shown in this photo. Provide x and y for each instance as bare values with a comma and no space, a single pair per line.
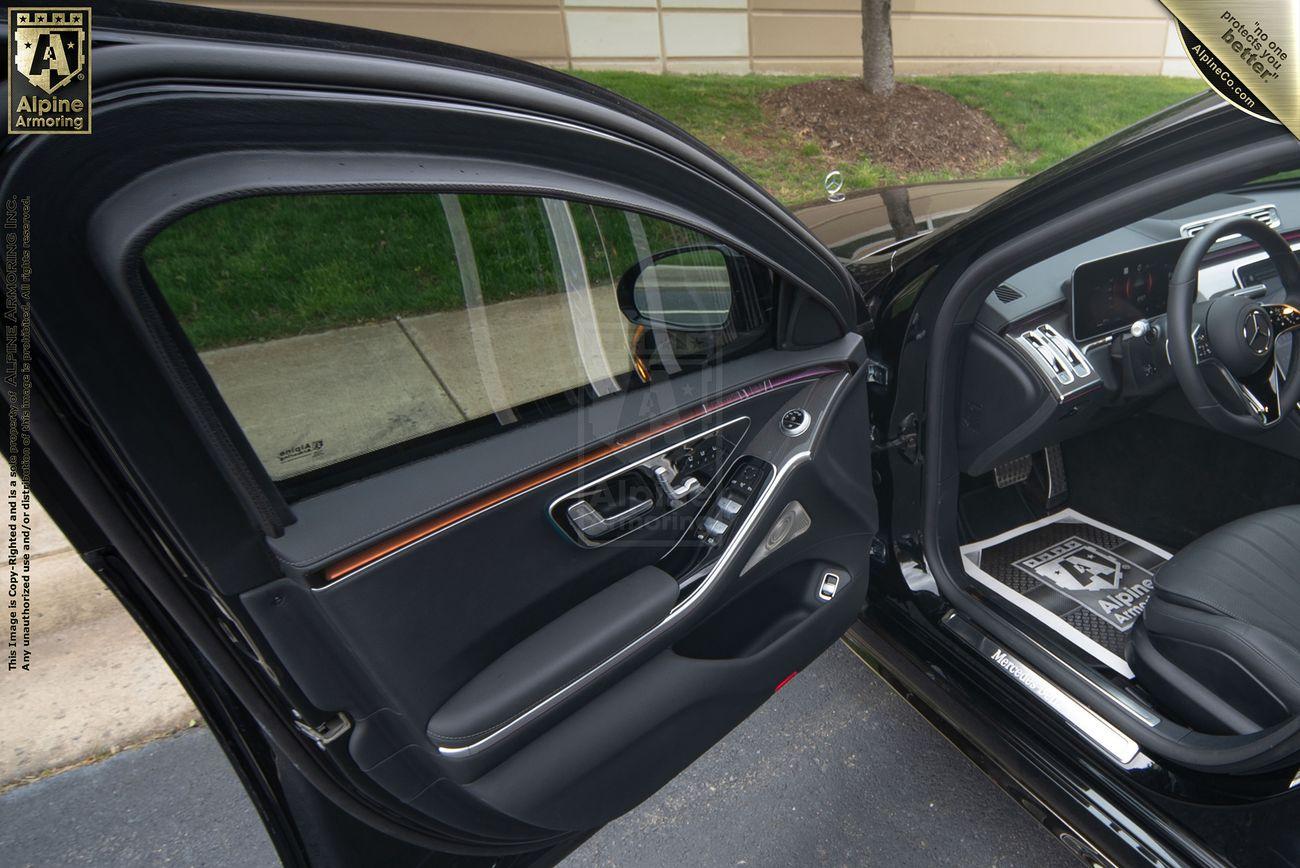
338,325
684,287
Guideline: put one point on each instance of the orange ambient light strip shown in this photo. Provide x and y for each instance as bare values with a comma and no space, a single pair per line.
427,528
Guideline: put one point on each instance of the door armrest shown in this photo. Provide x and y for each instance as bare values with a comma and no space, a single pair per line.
558,653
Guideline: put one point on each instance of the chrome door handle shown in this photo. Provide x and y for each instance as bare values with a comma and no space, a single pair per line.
676,494
591,523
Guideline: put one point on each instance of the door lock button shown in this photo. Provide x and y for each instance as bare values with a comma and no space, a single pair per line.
830,584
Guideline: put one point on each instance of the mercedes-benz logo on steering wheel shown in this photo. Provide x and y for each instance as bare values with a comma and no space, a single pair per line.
1258,332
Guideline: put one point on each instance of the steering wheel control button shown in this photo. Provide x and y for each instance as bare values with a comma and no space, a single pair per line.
1202,343
795,422
1283,316
829,585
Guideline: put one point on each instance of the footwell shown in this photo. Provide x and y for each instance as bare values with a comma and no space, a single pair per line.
1085,580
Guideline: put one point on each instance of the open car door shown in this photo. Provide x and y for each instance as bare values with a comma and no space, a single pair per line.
477,447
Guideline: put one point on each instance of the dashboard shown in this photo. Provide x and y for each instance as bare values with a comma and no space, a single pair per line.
1052,355
1047,285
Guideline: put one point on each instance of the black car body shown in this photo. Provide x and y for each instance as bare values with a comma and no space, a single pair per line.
431,645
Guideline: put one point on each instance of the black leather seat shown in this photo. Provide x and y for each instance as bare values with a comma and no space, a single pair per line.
1219,642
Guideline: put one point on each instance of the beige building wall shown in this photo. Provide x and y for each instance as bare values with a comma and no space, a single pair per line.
779,36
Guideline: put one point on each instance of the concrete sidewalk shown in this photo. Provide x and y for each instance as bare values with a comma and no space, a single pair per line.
315,399
96,683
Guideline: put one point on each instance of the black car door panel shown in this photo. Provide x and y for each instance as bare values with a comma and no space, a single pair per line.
554,656
519,623
457,612
337,525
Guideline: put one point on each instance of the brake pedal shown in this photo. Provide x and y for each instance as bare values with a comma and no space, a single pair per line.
1013,472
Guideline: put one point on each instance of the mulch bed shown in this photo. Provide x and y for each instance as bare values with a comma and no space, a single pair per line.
913,130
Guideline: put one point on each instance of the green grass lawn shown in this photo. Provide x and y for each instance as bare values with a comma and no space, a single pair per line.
271,266
266,268
1047,117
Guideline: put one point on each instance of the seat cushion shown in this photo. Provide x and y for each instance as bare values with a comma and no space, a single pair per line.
1219,642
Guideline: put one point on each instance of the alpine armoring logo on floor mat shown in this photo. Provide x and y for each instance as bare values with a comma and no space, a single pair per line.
1111,586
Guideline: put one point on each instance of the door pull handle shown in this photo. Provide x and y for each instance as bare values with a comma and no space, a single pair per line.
676,494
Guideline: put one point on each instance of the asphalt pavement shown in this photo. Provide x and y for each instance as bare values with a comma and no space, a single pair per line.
834,770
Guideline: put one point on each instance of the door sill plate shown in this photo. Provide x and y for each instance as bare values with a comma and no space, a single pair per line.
1082,719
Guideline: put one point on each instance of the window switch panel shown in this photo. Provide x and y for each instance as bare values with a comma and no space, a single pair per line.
731,501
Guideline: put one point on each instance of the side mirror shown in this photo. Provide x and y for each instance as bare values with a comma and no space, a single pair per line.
684,288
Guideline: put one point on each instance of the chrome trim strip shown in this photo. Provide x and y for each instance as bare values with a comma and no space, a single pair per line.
676,613
1129,707
1250,290
1082,718
1092,345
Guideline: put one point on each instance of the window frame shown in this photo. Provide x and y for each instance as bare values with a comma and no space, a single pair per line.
616,172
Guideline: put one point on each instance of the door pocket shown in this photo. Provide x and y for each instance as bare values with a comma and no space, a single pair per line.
765,613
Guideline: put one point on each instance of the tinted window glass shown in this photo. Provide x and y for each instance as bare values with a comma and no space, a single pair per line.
336,326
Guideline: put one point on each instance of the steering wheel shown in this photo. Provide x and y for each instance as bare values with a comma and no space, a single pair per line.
1217,346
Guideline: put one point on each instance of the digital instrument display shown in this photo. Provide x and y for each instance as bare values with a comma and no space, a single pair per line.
1261,272
1107,295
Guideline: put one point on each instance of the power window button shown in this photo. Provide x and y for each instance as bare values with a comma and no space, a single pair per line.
715,527
728,506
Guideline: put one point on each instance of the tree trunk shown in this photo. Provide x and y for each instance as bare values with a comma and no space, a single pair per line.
877,48
898,206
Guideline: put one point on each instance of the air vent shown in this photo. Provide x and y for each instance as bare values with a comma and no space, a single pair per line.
1057,356
1007,294
1266,214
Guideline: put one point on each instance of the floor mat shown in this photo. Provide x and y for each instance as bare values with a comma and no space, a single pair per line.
1086,580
